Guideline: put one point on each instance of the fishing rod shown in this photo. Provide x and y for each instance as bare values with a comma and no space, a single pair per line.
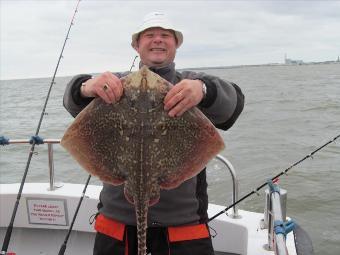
35,140
133,63
255,191
63,246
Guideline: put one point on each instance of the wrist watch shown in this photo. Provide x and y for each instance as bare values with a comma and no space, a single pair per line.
204,89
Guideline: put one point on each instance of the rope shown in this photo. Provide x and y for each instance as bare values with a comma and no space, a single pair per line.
4,141
273,187
36,139
283,227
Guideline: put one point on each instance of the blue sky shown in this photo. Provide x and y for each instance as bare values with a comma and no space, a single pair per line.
216,33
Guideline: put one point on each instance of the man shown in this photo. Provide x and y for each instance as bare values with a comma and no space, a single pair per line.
177,223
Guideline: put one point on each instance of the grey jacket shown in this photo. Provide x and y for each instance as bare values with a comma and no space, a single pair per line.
188,203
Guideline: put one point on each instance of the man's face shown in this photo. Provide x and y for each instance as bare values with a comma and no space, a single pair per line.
156,47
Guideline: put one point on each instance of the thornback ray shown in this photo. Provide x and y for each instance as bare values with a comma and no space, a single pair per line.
134,143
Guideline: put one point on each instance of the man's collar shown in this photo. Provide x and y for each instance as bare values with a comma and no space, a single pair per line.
166,72
161,70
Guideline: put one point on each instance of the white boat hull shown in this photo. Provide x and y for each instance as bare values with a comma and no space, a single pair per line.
44,216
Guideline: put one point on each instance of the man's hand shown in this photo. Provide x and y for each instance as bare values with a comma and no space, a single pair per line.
106,86
183,96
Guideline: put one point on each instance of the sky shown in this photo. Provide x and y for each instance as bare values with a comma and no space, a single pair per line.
216,33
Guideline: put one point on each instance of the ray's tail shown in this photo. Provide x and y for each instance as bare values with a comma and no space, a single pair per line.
141,217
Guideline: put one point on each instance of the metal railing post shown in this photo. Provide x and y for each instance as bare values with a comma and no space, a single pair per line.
51,166
275,211
50,143
235,183
279,239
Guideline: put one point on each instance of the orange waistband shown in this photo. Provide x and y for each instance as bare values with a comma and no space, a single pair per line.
116,230
109,227
184,233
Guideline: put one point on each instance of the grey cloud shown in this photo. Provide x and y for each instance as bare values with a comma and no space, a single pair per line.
215,33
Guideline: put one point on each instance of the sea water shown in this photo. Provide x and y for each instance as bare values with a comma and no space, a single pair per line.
290,110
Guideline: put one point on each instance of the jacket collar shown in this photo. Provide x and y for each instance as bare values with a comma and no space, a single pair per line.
167,72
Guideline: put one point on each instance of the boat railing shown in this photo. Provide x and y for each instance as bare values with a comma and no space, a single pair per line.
49,143
54,186
275,219
232,172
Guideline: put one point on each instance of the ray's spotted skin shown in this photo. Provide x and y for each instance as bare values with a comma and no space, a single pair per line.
135,143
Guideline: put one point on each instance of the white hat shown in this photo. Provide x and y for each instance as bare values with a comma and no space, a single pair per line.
157,19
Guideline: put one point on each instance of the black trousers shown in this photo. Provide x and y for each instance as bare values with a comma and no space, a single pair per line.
157,244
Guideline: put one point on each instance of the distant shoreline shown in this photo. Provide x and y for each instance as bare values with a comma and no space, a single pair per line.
203,68
259,65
